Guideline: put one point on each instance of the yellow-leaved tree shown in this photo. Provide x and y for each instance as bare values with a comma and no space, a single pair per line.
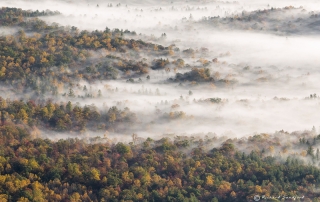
23,116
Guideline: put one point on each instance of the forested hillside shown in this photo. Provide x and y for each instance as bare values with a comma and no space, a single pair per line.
153,170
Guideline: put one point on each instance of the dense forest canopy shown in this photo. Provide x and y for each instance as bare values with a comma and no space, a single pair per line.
153,170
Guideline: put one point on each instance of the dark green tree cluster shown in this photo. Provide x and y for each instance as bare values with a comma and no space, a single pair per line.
289,20
14,16
159,63
64,117
196,74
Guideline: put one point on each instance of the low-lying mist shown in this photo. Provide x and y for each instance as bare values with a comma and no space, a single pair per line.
238,111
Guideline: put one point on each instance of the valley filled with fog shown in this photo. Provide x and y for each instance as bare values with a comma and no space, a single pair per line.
261,73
